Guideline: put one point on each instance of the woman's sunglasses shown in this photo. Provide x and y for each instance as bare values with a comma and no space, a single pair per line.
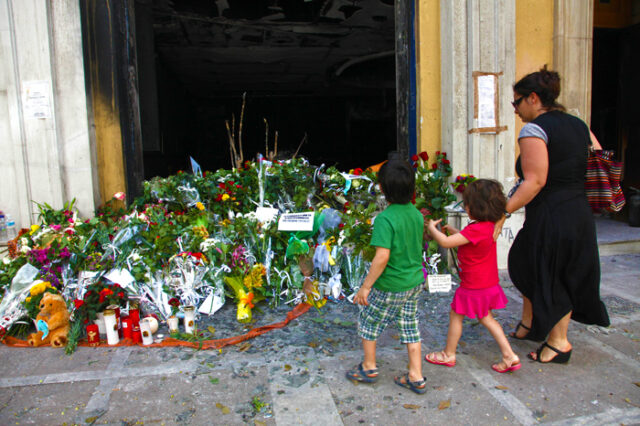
517,101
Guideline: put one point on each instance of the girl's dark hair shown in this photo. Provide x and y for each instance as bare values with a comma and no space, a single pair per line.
485,200
398,181
545,83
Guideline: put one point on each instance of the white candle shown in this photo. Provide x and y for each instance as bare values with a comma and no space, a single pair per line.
111,327
145,330
189,319
172,323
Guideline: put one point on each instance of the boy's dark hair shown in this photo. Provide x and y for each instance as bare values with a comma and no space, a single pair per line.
485,200
398,181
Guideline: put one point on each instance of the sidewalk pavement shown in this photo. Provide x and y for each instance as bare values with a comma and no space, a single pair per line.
295,375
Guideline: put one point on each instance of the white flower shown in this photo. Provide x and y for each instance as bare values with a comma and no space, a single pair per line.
6,260
25,249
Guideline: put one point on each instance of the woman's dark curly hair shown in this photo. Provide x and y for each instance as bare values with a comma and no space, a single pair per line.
485,200
545,83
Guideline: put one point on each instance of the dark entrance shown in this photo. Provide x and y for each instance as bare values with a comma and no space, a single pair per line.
318,71
616,88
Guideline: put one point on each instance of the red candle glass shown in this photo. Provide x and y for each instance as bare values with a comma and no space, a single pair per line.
134,314
127,328
93,334
137,336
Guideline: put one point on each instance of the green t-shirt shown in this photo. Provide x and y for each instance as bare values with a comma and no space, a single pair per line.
399,228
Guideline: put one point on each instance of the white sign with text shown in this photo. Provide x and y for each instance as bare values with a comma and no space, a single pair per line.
439,283
296,222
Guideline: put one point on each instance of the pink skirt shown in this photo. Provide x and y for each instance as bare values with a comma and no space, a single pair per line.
474,303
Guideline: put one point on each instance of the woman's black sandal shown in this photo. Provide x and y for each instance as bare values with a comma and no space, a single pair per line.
514,334
560,358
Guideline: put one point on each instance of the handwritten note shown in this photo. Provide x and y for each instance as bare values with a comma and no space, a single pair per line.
439,283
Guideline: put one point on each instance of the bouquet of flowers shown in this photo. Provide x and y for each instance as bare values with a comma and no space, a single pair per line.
462,181
98,296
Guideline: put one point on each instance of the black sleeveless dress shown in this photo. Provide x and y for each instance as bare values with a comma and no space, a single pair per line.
554,259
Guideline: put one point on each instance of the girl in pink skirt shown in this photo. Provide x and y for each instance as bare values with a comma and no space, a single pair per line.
479,290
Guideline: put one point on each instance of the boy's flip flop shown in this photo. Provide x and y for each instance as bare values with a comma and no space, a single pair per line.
434,360
419,386
358,374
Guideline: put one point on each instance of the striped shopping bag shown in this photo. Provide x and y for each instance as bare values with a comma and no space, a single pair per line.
602,181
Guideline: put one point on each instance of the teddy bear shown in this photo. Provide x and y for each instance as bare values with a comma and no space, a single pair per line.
53,312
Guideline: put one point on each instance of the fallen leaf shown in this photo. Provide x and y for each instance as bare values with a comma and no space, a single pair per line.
637,384
223,408
210,365
287,367
244,347
214,380
444,404
259,423
318,320
312,344
211,329
502,387
411,406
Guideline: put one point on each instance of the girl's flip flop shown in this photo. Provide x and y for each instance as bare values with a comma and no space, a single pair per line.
513,367
434,360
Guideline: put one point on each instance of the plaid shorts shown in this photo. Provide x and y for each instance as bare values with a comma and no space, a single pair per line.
385,306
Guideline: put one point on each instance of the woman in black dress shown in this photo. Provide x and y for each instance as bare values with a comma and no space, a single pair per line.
554,260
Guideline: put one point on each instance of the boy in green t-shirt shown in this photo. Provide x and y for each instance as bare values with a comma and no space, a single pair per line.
391,289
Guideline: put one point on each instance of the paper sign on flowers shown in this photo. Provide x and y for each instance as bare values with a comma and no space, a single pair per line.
439,283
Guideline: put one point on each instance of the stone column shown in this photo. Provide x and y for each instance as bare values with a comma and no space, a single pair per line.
572,54
43,157
478,35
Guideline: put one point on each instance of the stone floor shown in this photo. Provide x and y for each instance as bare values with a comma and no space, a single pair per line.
295,375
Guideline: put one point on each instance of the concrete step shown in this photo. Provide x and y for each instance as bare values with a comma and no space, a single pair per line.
616,237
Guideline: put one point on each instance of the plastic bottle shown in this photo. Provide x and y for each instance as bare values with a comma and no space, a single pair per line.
11,228
3,229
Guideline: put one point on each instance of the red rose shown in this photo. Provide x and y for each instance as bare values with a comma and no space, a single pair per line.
120,295
444,154
437,153
414,158
424,156
434,166
89,293
78,303
357,171
341,225
460,188
445,161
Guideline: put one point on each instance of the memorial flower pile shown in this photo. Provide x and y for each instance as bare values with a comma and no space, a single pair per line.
193,239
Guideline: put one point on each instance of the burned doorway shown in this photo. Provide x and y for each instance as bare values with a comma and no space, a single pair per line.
318,71
615,89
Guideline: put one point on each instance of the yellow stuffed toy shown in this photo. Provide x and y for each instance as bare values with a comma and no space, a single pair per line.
52,322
